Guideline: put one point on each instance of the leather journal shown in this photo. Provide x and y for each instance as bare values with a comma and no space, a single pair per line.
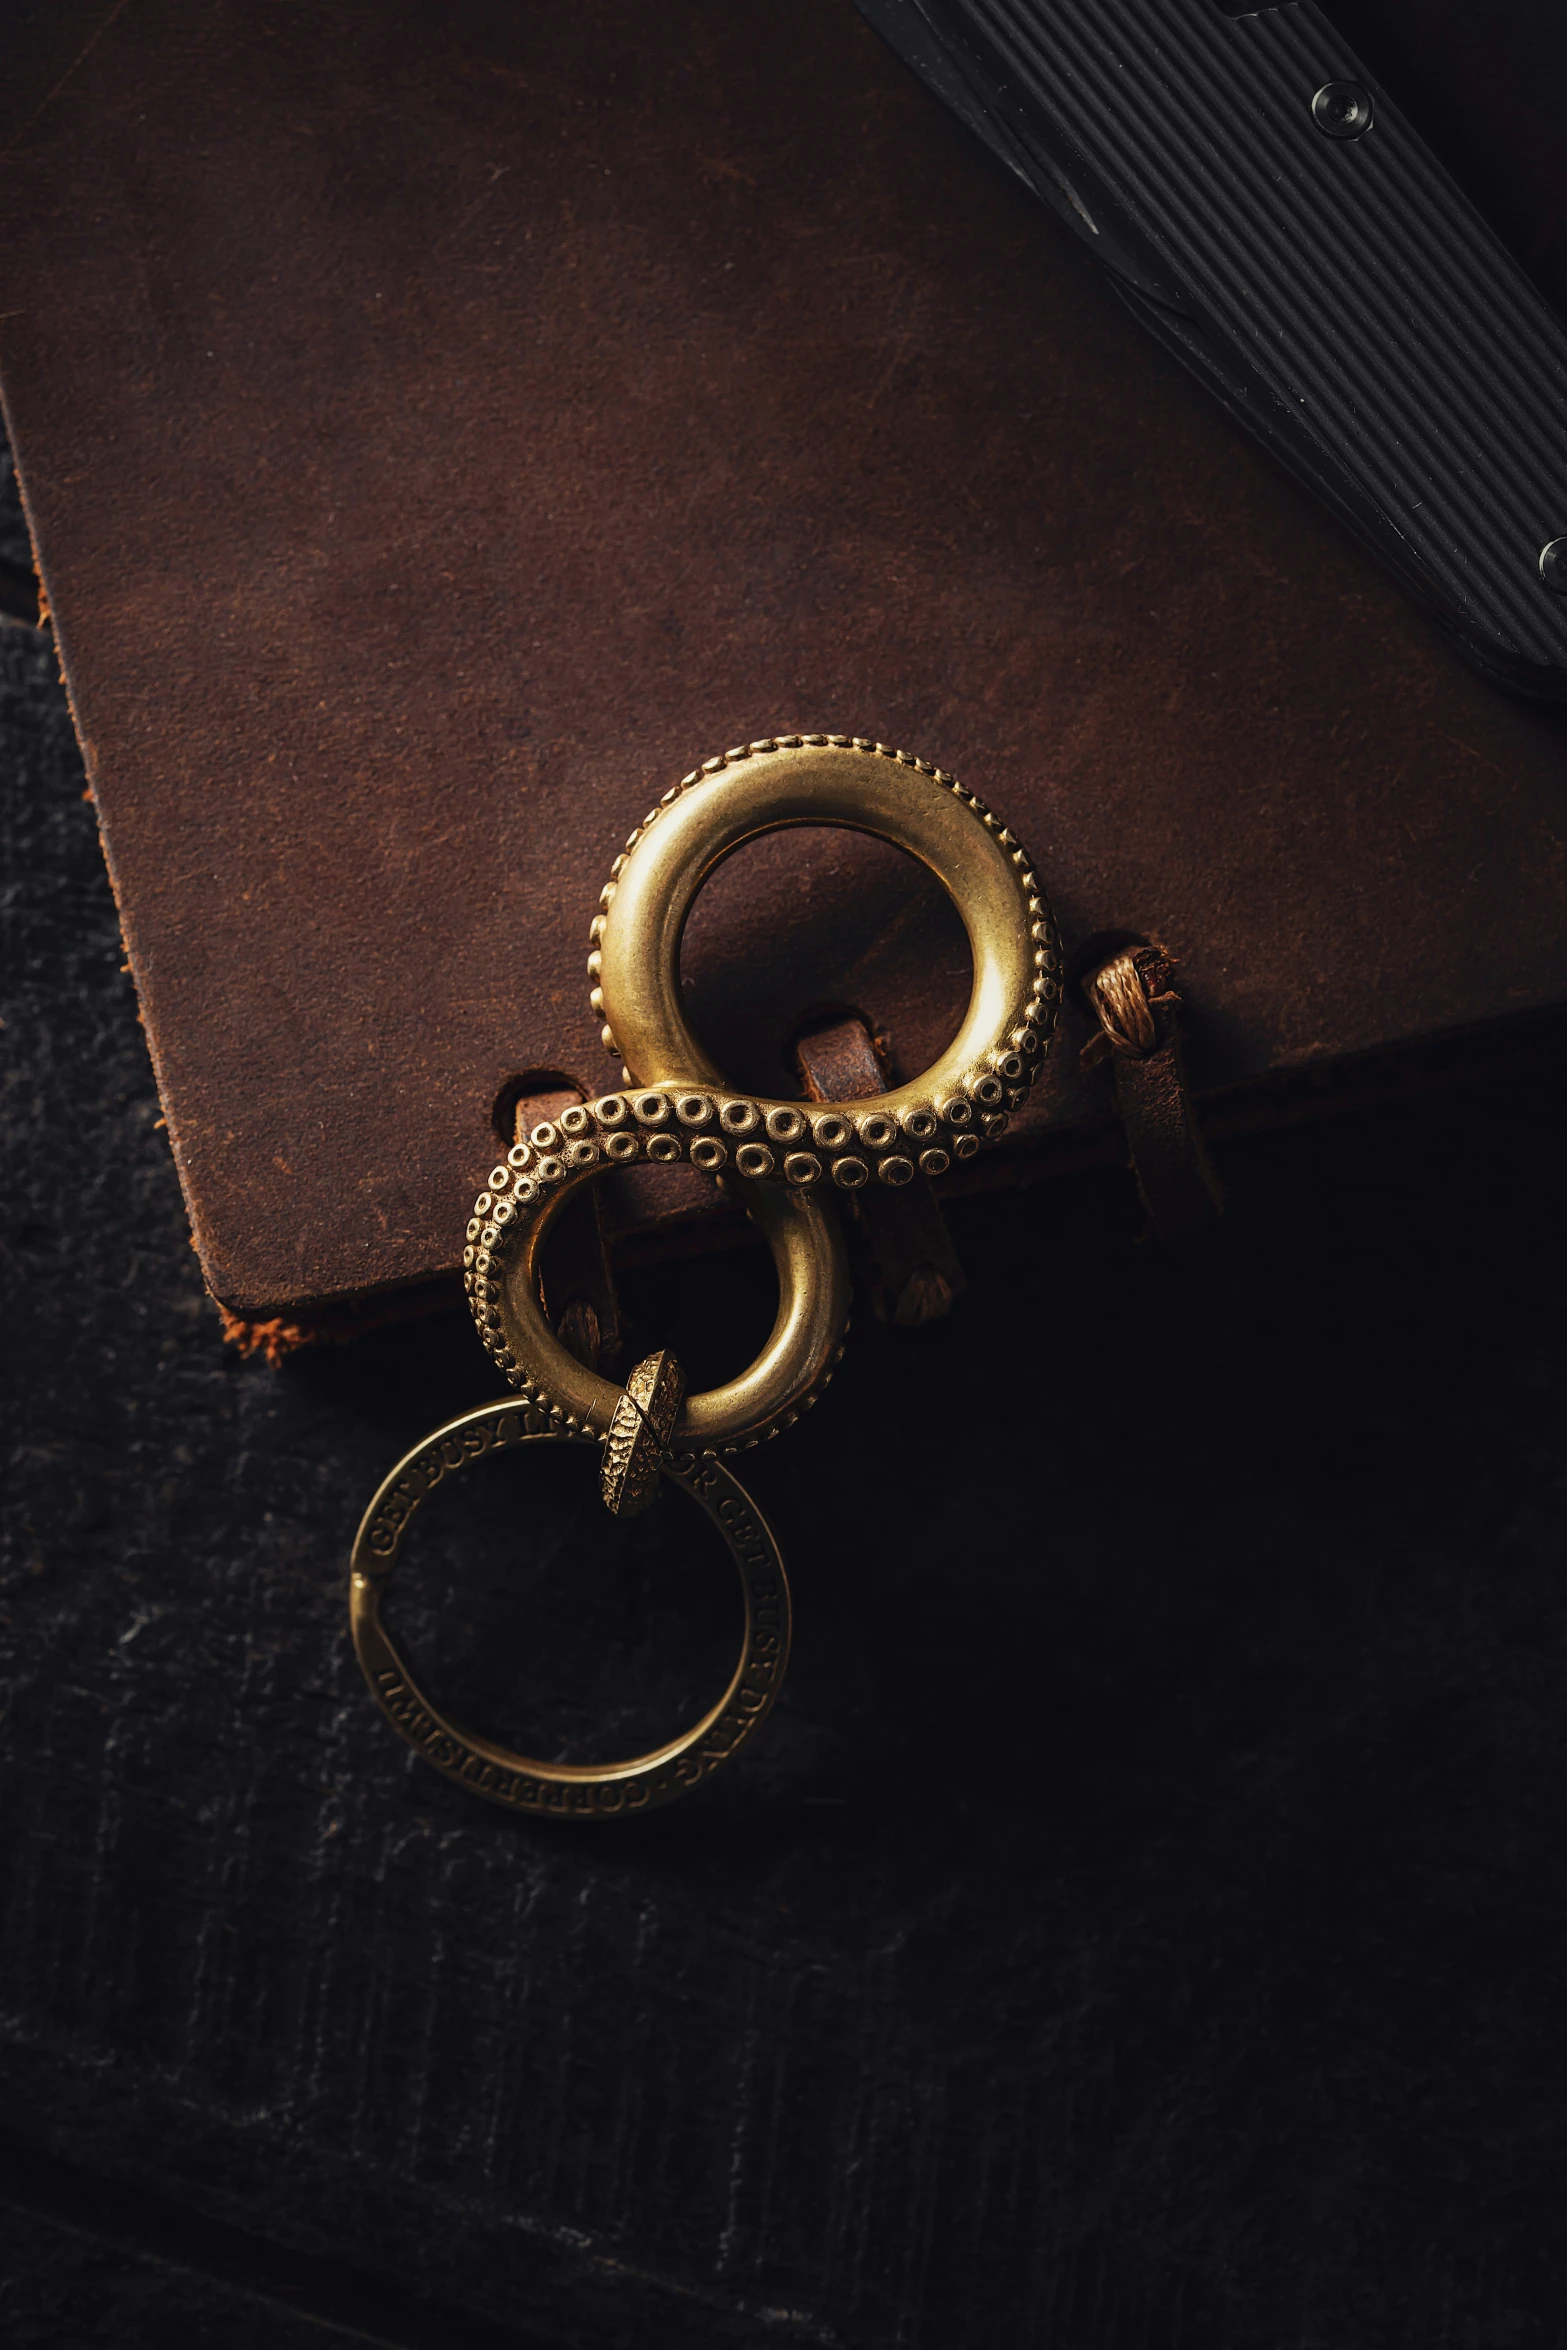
442,427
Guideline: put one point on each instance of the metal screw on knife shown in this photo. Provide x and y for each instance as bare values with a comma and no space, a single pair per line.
1553,566
1342,110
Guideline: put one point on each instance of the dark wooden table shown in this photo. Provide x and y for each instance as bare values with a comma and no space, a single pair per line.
1142,1928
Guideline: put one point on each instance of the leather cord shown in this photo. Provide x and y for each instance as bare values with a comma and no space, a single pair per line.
1139,1033
914,1270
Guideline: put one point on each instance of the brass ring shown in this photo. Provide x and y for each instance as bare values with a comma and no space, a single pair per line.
500,1272
677,1109
576,1790
839,780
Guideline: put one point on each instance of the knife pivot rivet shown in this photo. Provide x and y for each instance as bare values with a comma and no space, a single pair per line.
1553,566
1342,110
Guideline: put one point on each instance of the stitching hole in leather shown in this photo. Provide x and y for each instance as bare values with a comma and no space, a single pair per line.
503,1117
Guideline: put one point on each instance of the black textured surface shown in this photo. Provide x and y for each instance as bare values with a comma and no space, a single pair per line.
1142,1926
1342,296
18,585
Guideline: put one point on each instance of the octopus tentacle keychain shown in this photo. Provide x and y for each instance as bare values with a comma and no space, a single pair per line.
788,1156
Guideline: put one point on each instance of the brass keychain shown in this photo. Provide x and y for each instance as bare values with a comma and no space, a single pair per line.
675,1107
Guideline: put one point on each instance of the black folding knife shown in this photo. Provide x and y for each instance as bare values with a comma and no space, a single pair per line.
1270,215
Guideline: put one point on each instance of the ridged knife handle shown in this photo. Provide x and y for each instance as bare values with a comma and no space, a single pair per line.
1272,217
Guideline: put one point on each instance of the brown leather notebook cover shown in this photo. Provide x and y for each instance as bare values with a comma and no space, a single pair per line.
442,427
